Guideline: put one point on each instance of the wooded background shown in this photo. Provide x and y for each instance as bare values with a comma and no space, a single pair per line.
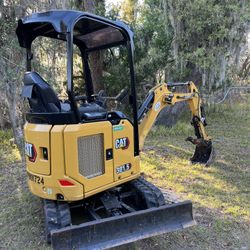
206,41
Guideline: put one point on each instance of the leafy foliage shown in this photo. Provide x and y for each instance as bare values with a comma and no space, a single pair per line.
197,40
175,40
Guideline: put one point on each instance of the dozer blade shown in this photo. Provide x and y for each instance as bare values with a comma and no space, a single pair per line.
122,229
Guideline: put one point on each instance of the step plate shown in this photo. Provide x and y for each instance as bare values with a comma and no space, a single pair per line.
123,229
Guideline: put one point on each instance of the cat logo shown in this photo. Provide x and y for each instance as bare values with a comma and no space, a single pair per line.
30,151
122,143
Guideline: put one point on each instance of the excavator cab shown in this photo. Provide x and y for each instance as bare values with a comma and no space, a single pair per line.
89,34
83,154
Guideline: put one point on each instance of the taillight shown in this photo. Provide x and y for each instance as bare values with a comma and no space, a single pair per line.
64,182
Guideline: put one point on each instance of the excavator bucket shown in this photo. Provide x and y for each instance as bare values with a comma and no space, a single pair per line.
204,153
122,229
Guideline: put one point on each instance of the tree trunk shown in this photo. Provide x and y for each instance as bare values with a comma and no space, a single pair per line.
95,58
11,97
170,115
2,126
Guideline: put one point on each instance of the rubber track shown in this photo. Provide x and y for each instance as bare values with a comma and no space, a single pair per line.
57,215
152,196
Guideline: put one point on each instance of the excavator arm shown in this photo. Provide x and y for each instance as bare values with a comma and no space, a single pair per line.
164,95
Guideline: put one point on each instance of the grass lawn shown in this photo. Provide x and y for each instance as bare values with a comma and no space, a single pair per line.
220,193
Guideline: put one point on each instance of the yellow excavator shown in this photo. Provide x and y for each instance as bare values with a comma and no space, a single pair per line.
83,155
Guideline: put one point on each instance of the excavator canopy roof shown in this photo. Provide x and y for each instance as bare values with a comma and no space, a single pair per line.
89,31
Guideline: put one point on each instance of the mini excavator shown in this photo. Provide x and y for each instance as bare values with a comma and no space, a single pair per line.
82,158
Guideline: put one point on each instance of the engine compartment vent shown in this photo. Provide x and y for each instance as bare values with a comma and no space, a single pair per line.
91,155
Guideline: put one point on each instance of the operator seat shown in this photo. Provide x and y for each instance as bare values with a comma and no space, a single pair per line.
43,99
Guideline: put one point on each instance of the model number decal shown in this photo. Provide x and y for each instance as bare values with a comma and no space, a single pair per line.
122,143
123,168
35,178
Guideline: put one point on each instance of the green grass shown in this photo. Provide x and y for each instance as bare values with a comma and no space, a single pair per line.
8,150
220,193
181,128
21,213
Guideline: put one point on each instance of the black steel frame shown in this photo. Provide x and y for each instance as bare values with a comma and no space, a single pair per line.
128,42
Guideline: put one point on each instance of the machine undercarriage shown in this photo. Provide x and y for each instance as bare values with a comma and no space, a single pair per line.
123,214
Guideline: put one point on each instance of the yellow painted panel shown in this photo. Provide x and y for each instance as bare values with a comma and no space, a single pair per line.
39,136
71,135
48,187
64,160
123,156
118,182
57,151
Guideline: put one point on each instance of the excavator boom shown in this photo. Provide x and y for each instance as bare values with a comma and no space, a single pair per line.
164,95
